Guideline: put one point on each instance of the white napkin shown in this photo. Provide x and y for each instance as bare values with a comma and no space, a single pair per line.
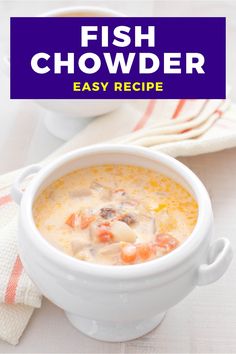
176,127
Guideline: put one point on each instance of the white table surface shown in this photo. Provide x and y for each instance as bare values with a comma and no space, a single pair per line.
205,321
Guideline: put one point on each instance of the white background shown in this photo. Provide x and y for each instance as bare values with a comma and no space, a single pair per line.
205,322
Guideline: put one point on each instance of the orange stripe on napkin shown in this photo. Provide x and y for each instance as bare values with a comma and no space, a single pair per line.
17,268
179,108
219,112
147,114
5,199
13,282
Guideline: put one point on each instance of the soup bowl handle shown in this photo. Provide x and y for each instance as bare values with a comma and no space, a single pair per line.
219,258
16,190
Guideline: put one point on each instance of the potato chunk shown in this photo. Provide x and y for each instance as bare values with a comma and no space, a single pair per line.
122,232
77,244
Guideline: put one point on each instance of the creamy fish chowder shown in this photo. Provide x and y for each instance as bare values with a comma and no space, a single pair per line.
115,214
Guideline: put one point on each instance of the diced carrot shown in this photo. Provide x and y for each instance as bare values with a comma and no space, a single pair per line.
167,241
128,253
71,220
105,235
85,220
144,251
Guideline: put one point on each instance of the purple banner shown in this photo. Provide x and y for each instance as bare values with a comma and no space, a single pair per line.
120,57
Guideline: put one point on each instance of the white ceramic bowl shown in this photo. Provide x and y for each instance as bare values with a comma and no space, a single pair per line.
65,117
118,303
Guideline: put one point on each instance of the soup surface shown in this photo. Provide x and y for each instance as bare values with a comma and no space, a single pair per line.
115,214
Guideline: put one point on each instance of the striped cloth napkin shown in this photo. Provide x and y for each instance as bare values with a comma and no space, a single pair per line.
177,127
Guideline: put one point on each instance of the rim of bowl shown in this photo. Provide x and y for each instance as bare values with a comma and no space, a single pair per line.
155,266
67,9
